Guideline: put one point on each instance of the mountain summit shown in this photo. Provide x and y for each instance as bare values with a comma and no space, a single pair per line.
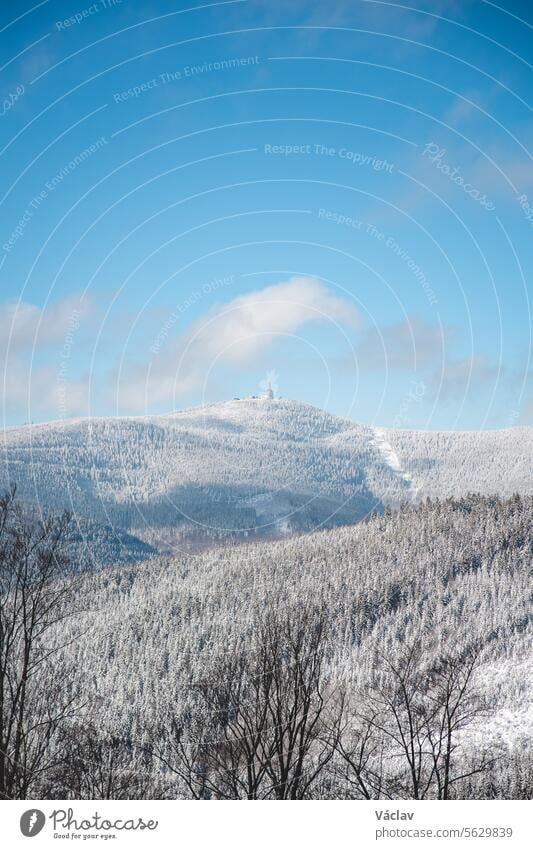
256,466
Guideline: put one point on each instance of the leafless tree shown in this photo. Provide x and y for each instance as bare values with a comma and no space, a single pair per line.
266,723
453,703
303,710
362,753
96,764
403,738
35,692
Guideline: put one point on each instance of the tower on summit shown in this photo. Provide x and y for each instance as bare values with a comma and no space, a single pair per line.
269,385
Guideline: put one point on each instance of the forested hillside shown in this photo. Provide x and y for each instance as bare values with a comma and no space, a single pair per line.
165,657
246,468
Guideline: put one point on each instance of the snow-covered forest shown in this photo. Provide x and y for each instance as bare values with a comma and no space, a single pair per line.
244,469
386,659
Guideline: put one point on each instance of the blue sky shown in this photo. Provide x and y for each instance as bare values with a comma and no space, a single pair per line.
197,195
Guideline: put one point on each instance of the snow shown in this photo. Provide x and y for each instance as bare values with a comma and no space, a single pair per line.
389,454
436,574
251,466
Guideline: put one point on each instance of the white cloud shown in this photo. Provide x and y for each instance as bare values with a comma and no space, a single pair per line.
36,345
248,324
23,325
234,334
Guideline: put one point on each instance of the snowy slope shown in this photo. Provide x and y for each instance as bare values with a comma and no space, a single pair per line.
449,576
251,466
442,464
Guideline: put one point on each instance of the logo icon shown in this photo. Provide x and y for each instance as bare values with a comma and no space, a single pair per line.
32,822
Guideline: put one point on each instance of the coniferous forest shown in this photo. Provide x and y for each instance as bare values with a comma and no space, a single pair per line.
382,660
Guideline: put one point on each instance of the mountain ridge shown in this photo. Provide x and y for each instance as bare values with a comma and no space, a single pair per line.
250,467
146,417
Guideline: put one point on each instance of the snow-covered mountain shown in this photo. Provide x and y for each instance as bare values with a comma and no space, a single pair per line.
249,467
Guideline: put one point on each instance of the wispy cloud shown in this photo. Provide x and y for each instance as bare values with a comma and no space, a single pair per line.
413,343
36,347
428,350
233,335
375,15
24,325
462,378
